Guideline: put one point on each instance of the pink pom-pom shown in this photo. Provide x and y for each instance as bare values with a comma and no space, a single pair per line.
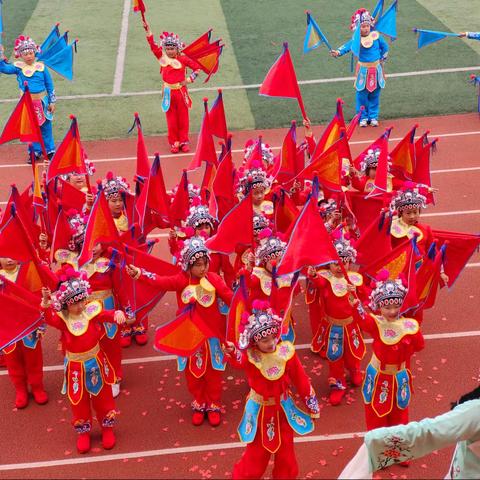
256,164
408,185
71,212
196,201
109,176
382,275
244,318
63,288
337,234
265,233
257,304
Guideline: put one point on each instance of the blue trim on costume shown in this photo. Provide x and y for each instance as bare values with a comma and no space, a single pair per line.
247,429
335,338
369,383
300,422
93,376
403,389
166,99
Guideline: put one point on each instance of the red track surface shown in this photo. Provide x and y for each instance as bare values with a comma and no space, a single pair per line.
154,436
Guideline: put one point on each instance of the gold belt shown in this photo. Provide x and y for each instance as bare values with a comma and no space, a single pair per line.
339,321
38,96
388,369
256,397
100,295
83,356
173,86
369,64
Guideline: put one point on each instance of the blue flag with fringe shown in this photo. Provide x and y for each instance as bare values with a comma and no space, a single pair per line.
427,37
314,37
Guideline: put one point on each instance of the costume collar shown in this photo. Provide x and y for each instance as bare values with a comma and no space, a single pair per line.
121,223
29,70
100,265
339,285
10,274
77,325
272,365
203,292
367,41
67,256
400,229
166,61
392,332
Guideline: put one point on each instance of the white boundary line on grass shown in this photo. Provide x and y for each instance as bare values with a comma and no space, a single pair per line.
253,85
301,346
122,48
241,150
167,451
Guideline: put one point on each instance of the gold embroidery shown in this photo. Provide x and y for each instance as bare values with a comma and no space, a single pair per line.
29,70
78,324
10,274
272,365
166,61
121,223
392,332
400,229
203,293
368,40
339,285
100,265
67,256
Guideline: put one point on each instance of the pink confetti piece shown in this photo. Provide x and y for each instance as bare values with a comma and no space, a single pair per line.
67,453
145,413
443,361
166,469
124,460
424,465
139,460
49,429
176,444
322,462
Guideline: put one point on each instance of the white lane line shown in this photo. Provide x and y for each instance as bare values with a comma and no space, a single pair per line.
241,150
168,451
122,48
300,346
255,85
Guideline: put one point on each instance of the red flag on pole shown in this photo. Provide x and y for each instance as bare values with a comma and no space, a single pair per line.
287,164
223,183
100,228
70,156
403,155
238,306
205,145
377,144
421,174
332,131
143,164
381,175
22,124
180,203
218,121
281,80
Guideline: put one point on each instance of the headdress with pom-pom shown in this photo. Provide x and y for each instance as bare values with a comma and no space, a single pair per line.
24,44
409,198
260,222
271,247
170,39
344,249
199,215
370,160
387,291
89,166
327,207
267,153
193,192
192,249
114,186
78,226
73,288
252,178
261,323
361,16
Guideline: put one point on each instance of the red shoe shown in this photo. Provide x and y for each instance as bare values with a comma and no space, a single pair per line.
184,147
126,341
141,339
40,396
198,417
21,398
405,464
108,438
174,148
213,418
83,442
356,378
336,396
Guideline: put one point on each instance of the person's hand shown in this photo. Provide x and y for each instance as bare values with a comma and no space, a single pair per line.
334,53
463,34
444,278
228,347
172,235
183,83
43,241
133,271
89,198
351,288
46,296
51,108
119,317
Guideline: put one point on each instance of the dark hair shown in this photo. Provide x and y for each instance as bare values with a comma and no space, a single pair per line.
473,395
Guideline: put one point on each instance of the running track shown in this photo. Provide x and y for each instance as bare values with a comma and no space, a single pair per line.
154,436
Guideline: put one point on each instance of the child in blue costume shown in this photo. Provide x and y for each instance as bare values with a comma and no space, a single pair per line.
28,69
369,72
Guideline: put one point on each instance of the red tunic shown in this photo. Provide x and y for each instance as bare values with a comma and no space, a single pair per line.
400,232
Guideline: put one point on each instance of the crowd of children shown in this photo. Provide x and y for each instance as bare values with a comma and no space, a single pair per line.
90,299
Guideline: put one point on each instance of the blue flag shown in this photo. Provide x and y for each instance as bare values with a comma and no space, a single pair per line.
51,38
62,61
387,23
426,37
355,45
378,10
314,37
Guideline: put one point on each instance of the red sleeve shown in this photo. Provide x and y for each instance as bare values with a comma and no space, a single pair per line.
311,144
173,245
298,377
188,62
105,316
418,342
52,319
227,269
369,325
173,283
358,183
154,47
236,359
221,287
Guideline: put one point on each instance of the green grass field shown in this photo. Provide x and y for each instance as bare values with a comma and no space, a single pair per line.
253,31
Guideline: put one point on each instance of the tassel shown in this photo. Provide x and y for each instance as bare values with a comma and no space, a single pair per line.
432,251
382,220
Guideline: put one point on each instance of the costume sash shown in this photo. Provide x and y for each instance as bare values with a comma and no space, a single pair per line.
197,363
355,340
75,381
380,76
371,79
403,389
382,402
216,354
335,343
271,439
247,429
369,383
300,422
93,376
166,99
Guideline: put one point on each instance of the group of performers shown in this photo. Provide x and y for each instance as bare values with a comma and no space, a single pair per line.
100,302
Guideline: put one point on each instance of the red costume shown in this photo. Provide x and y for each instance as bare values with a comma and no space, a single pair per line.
24,360
176,100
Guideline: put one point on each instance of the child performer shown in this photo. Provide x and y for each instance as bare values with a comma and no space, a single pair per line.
271,416
24,359
369,72
340,333
195,284
388,381
28,69
87,369
175,101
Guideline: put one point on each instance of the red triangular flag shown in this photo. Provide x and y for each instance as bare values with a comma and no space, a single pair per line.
100,228
143,164
223,183
236,228
22,124
423,148
402,156
218,122
238,306
180,203
287,160
309,230
332,131
378,143
70,156
381,175
205,150
281,80
286,212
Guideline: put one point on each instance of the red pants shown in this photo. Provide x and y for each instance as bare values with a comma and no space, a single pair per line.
177,118
208,388
25,366
395,417
255,459
103,404
336,369
113,350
